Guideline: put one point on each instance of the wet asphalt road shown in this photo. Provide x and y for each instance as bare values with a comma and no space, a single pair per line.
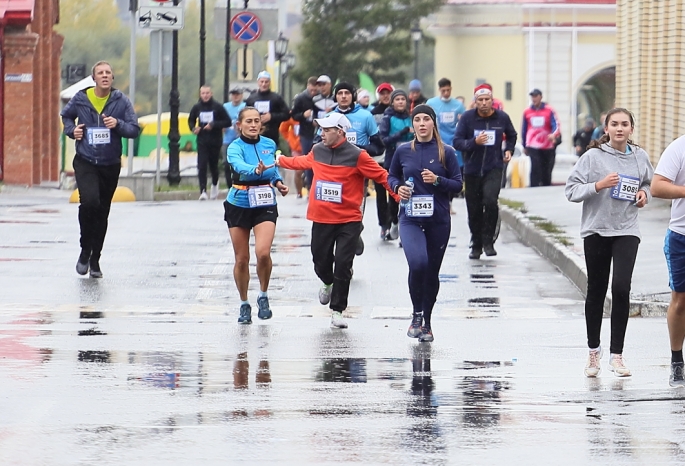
148,365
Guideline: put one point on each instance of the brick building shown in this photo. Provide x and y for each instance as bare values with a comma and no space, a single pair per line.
29,91
649,71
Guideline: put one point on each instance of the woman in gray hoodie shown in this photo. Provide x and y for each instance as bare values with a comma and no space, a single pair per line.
612,180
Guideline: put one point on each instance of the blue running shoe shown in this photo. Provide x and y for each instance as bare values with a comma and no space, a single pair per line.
245,314
264,310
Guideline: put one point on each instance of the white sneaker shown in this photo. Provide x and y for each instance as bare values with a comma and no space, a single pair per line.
337,320
617,366
214,192
203,196
593,368
394,231
325,294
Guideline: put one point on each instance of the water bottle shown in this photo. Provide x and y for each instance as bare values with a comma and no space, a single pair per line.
410,184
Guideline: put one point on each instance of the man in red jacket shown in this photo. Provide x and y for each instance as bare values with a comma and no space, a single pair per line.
337,188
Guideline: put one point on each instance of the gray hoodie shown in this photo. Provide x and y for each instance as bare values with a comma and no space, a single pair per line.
603,214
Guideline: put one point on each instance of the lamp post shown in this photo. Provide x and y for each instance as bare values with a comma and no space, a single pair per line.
289,60
280,48
203,35
174,174
227,51
416,35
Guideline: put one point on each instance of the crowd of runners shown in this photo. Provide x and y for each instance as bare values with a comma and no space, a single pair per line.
419,153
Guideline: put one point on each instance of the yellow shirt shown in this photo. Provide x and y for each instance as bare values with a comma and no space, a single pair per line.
98,102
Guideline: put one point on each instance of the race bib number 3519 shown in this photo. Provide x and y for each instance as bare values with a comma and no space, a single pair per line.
329,191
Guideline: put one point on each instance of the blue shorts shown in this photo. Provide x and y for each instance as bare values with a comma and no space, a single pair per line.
674,249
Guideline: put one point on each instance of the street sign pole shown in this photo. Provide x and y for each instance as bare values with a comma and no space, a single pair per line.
132,77
159,105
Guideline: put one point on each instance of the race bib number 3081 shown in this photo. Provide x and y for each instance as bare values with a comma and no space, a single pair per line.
626,189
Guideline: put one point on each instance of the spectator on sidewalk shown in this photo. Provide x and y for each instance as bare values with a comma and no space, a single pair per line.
540,129
612,180
582,138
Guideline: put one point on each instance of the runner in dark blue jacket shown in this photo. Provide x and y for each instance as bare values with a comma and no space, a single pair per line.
423,173
105,115
479,136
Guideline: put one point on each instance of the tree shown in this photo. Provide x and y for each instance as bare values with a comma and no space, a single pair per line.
344,37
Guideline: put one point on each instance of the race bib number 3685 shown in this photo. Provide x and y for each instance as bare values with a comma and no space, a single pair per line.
97,136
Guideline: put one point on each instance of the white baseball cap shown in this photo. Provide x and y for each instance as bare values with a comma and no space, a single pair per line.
334,120
323,79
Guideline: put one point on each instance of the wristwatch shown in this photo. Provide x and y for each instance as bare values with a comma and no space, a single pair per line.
437,181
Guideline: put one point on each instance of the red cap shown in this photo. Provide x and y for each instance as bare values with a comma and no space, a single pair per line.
483,89
384,87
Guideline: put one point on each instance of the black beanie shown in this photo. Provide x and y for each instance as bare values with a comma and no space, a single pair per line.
346,86
423,108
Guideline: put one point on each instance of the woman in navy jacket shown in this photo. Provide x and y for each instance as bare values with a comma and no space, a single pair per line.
423,173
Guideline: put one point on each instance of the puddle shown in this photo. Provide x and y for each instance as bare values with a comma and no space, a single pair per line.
347,370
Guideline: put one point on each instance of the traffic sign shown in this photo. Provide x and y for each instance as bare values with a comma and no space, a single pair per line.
246,27
161,17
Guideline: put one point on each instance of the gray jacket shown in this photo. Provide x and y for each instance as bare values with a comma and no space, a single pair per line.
602,214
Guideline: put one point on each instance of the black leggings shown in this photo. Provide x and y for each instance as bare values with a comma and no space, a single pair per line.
599,253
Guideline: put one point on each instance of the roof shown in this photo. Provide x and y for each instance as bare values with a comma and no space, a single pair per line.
71,91
16,12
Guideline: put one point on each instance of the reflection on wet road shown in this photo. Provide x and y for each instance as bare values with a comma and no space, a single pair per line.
148,366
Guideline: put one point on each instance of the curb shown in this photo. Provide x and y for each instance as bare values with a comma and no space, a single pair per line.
568,262
161,196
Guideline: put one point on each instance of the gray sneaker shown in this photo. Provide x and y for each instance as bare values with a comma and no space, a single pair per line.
337,320
325,294
394,231
677,379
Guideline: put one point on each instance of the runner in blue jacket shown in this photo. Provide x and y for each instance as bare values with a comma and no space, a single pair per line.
423,173
251,205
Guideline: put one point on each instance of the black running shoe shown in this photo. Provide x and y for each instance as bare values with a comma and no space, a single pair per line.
415,326
426,335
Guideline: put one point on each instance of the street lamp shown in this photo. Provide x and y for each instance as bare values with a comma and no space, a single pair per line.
416,35
289,60
281,47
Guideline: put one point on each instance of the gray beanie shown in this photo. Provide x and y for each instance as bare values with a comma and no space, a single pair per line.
397,92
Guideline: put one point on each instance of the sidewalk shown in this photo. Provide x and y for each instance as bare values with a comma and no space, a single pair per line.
650,289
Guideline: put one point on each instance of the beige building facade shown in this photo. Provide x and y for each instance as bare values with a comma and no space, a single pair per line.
567,49
649,75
